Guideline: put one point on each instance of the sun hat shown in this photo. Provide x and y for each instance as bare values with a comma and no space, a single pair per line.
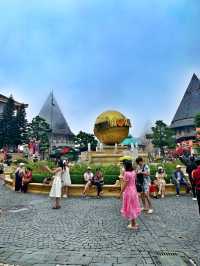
21,164
160,168
178,166
126,158
89,168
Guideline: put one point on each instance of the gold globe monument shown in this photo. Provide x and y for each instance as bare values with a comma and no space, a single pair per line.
111,127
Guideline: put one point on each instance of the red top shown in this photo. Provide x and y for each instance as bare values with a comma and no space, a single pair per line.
196,177
28,177
153,188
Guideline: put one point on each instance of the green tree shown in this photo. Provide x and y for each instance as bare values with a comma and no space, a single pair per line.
12,124
197,120
162,136
40,130
8,123
82,139
21,125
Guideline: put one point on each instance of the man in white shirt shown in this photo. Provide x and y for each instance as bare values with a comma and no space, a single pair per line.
88,175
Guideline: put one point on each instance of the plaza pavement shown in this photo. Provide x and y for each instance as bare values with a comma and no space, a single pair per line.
92,232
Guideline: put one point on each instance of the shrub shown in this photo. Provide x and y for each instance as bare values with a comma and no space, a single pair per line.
21,160
38,167
110,173
38,178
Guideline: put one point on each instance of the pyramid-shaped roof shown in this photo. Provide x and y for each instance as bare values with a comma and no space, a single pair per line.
189,106
52,114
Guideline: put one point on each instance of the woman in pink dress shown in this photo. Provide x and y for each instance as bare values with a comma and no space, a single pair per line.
131,205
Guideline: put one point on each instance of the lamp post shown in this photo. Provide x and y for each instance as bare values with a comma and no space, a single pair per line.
51,138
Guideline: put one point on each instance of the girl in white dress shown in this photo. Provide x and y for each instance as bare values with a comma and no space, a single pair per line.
66,180
56,188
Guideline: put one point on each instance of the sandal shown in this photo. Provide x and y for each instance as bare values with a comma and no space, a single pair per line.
56,207
136,227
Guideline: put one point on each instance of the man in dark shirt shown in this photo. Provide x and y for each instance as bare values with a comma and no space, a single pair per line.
196,181
190,167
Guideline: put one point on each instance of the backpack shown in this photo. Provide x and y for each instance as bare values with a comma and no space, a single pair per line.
1,168
140,181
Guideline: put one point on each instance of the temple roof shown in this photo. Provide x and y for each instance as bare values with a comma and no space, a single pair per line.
52,114
189,106
4,99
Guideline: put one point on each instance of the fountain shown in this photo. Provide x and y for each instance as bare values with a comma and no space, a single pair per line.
111,128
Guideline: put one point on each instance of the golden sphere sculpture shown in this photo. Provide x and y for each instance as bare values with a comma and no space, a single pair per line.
111,127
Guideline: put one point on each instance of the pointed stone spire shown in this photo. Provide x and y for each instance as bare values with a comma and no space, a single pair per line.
189,106
52,114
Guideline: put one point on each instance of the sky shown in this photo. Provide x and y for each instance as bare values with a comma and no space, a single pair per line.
136,57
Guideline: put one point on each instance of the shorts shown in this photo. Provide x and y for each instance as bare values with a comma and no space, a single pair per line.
146,185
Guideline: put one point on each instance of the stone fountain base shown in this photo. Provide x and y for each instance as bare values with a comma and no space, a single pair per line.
107,155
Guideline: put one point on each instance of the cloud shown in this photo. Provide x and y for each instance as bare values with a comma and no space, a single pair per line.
135,56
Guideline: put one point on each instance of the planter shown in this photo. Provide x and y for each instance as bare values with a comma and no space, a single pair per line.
75,190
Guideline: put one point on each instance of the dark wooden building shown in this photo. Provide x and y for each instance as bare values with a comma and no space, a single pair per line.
61,132
183,122
3,101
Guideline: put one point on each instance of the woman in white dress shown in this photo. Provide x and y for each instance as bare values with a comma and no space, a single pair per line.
56,189
66,180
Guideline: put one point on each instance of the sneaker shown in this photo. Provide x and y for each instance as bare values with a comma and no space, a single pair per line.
162,196
65,196
177,196
150,211
144,210
194,199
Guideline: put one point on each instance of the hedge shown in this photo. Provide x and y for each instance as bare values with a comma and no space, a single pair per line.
76,179
110,172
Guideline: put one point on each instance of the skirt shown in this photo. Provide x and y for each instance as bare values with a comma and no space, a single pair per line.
66,180
56,188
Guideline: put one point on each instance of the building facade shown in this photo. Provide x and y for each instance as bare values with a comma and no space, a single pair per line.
183,121
3,101
61,132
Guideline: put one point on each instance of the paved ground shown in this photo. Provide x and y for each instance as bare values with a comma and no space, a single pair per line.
92,232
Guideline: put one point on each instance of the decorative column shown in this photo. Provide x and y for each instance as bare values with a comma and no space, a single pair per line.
89,147
115,147
101,147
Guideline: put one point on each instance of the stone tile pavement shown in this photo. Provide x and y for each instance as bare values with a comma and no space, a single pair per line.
92,232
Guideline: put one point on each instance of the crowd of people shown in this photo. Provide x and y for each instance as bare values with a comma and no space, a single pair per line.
62,182
137,185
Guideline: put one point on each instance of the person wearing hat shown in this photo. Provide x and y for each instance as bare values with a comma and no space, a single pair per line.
160,180
19,175
179,179
88,176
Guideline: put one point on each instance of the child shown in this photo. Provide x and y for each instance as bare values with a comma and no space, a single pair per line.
66,178
153,190
131,205
27,178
